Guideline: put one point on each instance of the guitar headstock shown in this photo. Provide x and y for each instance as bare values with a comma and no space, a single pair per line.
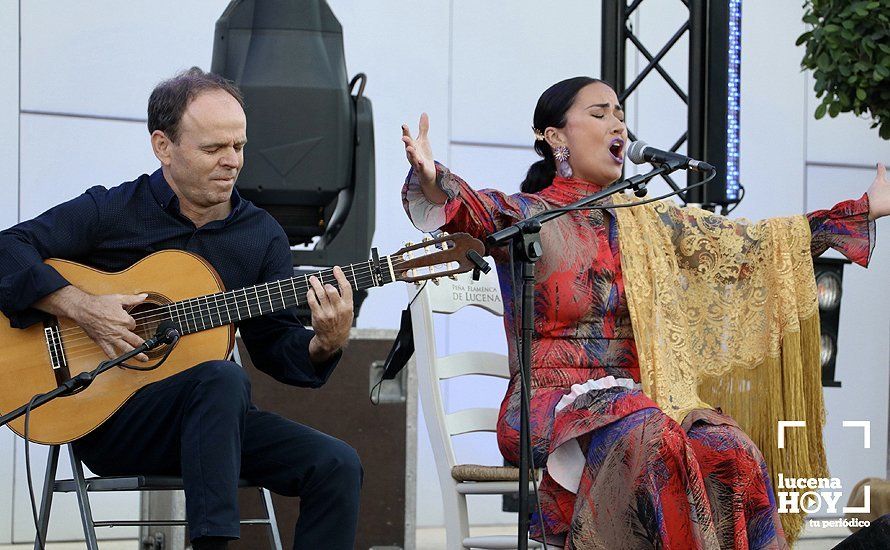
437,257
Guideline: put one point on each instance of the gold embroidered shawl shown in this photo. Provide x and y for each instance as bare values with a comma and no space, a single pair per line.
724,312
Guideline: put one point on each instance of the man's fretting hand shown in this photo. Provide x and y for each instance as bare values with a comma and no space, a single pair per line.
332,315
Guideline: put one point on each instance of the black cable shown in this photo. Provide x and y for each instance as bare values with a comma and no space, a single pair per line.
378,386
159,363
28,472
738,201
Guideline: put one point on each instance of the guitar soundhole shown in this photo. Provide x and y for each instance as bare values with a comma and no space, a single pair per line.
149,315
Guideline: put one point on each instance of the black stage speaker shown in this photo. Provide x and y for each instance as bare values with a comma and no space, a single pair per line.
309,160
384,435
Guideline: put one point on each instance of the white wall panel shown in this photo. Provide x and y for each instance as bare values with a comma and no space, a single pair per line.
863,347
9,115
500,168
506,53
104,57
63,156
9,201
772,110
845,139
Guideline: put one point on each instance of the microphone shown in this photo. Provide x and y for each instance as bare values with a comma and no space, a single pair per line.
639,152
167,333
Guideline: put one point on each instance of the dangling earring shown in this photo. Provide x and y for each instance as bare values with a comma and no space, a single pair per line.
561,155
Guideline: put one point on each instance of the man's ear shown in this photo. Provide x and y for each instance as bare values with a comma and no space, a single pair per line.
161,145
554,137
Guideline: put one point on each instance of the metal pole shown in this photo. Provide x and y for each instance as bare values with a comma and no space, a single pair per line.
612,48
698,98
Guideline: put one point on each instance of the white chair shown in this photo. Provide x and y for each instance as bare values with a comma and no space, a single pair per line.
459,480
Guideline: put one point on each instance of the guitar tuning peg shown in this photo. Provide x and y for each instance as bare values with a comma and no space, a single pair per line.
435,281
453,277
408,243
427,239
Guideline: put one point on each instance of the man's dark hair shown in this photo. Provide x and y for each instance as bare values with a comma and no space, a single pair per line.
170,98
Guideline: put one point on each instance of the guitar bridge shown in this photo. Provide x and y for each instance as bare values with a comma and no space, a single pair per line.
56,353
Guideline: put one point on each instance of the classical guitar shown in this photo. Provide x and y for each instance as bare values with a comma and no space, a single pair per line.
183,289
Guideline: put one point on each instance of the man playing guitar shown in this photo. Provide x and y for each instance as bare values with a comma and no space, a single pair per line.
199,423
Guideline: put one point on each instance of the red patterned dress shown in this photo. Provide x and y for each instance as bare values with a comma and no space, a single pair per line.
619,472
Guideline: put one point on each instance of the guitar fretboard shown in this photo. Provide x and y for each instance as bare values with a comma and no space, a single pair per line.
223,308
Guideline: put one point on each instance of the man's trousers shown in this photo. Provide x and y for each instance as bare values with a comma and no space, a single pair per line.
200,424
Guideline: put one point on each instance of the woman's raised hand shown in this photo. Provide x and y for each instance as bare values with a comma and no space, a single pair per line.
879,195
419,152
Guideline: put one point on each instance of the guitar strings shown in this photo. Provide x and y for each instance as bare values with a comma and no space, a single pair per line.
74,347
191,317
249,296
188,305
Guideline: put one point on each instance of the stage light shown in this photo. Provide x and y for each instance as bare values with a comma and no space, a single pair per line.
829,290
828,350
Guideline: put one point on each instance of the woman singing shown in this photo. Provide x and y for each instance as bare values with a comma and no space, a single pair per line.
622,470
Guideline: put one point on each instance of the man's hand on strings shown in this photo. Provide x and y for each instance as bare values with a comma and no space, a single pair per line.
332,315
103,318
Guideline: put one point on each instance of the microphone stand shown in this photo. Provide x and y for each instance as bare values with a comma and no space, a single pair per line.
525,239
165,335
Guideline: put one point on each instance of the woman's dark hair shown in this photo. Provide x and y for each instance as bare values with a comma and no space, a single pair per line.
170,98
551,111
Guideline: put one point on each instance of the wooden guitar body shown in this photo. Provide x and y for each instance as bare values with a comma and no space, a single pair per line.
167,276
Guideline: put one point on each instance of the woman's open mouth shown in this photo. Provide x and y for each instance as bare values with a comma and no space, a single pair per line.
616,149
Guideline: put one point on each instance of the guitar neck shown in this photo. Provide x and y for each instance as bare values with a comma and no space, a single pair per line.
223,308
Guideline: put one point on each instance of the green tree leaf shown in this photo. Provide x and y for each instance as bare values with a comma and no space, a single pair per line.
847,48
